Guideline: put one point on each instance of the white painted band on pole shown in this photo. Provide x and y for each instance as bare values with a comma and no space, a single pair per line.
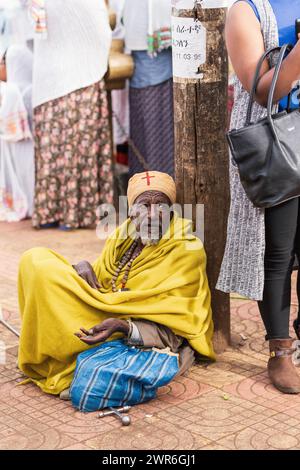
189,47
189,4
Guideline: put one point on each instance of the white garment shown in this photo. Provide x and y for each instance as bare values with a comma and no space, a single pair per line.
15,24
19,66
75,53
14,123
143,17
15,118
22,28
9,4
16,144
16,180
117,7
120,98
120,106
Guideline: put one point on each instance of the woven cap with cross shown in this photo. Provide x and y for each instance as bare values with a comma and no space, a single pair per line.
151,181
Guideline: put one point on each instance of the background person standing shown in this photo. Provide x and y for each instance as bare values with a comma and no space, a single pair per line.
16,142
148,35
72,133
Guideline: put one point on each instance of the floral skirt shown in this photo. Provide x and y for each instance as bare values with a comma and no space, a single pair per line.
73,158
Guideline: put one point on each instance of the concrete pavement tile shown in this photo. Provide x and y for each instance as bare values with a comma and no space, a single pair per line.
215,446
144,436
213,418
251,439
78,446
258,389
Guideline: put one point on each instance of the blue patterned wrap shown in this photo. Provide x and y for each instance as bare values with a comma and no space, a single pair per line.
115,374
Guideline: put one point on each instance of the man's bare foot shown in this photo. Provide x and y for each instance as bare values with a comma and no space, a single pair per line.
65,394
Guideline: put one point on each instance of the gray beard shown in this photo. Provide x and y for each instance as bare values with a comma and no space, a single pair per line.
149,238
149,241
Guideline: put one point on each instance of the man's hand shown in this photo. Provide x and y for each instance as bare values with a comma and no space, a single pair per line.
103,331
85,270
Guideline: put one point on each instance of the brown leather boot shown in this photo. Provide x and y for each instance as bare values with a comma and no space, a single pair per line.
282,372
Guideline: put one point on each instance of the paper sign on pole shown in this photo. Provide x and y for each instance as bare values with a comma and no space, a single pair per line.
189,47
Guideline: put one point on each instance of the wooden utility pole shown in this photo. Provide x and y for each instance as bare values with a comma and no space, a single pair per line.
201,155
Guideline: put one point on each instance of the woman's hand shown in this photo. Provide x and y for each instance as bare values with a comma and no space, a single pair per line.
84,269
103,331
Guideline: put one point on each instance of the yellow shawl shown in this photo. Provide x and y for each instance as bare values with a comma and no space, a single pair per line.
167,282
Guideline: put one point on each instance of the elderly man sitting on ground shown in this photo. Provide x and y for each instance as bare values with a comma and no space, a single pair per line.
149,285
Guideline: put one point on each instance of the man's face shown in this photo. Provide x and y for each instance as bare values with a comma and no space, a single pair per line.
150,214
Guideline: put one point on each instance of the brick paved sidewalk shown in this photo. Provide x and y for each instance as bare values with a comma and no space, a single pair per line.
226,405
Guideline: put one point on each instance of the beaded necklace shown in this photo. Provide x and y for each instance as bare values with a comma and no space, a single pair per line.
128,257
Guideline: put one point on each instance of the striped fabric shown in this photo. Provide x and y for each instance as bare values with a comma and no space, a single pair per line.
115,374
152,127
39,15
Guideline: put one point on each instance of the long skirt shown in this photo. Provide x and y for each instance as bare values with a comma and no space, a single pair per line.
152,127
73,158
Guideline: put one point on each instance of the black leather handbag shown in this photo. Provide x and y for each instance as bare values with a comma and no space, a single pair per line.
267,153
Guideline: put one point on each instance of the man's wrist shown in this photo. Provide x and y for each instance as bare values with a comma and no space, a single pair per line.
124,327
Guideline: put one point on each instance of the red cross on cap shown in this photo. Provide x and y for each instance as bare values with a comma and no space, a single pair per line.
147,177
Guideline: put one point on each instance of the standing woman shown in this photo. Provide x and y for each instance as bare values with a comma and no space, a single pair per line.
262,244
148,35
16,142
72,132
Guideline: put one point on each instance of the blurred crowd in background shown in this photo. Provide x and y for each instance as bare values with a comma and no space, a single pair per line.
69,138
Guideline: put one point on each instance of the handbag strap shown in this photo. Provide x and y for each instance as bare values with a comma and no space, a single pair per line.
286,48
274,82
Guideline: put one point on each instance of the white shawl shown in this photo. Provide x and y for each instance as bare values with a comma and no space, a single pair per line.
75,53
14,119
14,124
16,144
